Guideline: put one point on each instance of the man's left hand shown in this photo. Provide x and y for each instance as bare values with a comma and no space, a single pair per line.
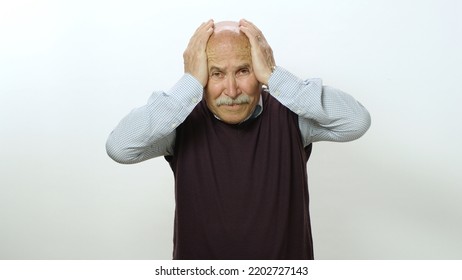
262,55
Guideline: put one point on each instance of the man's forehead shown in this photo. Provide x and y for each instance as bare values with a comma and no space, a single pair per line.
228,54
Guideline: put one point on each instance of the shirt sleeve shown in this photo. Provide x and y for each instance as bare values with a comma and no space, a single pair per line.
149,131
325,113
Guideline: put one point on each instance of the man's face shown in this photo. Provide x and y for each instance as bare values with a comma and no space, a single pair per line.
232,90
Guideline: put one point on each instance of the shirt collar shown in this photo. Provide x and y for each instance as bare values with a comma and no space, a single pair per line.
258,109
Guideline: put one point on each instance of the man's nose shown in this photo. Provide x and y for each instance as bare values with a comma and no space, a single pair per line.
231,87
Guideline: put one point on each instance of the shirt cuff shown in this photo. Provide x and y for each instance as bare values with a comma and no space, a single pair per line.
188,91
296,94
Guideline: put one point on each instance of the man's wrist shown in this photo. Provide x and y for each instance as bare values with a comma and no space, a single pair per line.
272,69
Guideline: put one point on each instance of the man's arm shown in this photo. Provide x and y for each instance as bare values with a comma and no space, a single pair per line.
325,113
149,131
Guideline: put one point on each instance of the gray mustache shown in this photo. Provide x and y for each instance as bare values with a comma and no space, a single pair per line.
226,100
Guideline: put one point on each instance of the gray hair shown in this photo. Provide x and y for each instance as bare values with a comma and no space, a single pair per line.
243,98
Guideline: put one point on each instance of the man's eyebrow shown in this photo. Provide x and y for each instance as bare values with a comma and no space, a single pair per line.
242,66
245,65
215,68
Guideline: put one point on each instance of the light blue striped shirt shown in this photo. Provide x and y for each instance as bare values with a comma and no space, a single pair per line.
325,114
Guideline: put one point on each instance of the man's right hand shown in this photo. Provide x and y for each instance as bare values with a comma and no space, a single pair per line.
195,57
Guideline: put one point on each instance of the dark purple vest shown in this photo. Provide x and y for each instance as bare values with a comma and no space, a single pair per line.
241,190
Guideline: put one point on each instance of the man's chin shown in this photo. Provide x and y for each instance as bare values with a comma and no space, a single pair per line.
231,114
231,118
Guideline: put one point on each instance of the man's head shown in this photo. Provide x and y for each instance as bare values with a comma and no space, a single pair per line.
232,90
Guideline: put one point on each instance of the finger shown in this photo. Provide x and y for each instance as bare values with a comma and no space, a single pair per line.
249,33
202,33
208,25
254,39
253,33
252,27
204,25
247,23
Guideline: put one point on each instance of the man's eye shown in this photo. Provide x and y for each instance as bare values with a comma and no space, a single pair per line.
217,75
243,72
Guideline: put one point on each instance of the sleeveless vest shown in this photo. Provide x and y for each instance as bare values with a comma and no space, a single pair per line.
241,191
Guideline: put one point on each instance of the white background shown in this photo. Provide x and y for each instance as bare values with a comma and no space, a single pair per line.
70,70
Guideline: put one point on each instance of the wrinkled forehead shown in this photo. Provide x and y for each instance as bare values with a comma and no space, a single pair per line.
227,40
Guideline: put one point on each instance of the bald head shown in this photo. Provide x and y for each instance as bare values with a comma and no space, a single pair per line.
232,26
226,38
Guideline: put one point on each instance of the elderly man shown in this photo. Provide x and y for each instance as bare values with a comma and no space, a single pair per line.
237,131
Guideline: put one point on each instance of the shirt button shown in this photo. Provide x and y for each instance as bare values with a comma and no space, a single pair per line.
277,93
173,125
298,111
194,100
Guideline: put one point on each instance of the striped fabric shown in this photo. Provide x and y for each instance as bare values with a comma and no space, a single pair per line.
325,114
